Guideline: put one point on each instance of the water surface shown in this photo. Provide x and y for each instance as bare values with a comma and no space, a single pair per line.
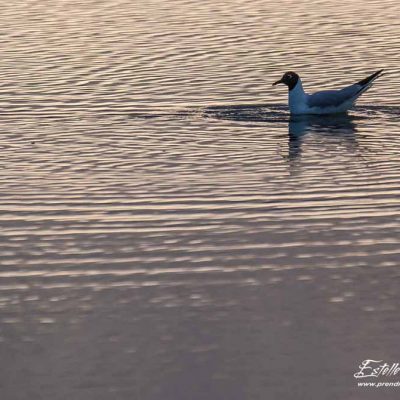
168,231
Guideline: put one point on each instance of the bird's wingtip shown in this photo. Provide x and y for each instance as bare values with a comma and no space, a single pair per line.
370,78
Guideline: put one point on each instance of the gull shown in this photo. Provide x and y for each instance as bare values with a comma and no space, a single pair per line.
326,101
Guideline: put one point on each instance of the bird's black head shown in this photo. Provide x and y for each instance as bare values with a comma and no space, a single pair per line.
289,79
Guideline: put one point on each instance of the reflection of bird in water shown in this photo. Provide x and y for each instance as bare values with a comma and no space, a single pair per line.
326,101
340,125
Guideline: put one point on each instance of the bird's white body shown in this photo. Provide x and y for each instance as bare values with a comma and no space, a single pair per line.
302,103
297,99
327,101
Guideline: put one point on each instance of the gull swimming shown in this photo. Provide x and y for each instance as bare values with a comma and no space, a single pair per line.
326,101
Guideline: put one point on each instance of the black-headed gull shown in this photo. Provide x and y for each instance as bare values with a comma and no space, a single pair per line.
326,101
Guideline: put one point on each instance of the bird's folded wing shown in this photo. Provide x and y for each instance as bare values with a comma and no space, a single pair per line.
333,98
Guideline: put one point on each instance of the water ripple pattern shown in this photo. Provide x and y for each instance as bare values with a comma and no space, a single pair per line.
160,210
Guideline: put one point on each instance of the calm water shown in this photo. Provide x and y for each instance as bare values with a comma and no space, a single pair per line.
167,232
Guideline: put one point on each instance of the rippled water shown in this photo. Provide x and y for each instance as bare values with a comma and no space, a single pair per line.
168,232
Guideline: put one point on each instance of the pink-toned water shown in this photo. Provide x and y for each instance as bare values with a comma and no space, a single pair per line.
167,232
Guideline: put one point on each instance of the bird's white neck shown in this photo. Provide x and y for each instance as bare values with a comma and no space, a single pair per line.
297,98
